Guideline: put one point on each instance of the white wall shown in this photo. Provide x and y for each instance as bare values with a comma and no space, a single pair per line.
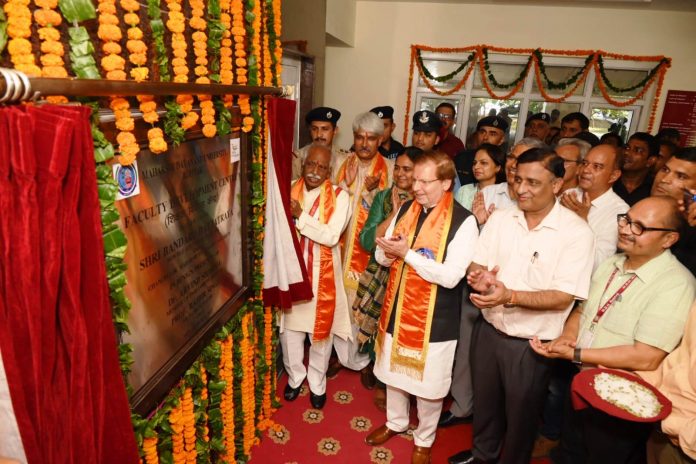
375,71
340,21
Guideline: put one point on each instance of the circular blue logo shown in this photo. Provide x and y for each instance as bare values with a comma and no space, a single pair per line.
427,252
127,180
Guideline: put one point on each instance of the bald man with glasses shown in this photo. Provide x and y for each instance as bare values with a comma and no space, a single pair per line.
634,316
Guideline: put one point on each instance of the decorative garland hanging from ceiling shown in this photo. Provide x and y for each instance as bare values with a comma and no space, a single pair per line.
594,59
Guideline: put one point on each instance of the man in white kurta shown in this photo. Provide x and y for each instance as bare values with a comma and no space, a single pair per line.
317,230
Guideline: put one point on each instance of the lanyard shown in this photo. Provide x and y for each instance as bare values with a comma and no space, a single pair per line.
612,299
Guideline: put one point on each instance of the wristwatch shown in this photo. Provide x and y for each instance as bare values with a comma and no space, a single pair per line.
577,354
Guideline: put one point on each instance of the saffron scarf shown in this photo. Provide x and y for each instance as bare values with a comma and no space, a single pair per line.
326,289
356,258
416,296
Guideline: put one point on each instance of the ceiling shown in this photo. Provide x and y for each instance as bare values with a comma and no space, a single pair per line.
676,5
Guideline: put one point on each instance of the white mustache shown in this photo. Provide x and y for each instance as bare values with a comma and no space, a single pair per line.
313,177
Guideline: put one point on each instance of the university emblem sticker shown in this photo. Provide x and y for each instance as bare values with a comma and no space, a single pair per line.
127,179
424,118
427,252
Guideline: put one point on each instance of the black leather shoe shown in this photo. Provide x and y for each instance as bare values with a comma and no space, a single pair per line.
318,401
447,419
291,393
334,367
462,457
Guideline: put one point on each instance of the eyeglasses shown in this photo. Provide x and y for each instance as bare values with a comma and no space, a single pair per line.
636,227
424,182
565,161
445,116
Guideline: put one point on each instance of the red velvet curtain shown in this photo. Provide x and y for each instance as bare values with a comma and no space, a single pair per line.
56,335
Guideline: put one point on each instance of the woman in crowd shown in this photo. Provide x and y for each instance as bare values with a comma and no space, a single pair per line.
488,168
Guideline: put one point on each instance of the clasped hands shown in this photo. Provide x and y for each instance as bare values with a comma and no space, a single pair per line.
394,246
488,290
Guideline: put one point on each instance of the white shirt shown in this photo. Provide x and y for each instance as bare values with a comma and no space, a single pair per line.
458,257
301,316
602,221
498,195
556,255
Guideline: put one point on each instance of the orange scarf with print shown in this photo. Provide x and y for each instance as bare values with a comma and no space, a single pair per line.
356,258
416,296
326,289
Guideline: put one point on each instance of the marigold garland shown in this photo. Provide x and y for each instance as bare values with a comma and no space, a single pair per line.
200,49
176,423
52,50
239,33
277,46
226,62
19,30
248,403
150,450
594,60
227,401
177,26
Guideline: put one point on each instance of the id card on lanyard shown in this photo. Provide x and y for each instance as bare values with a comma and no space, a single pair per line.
587,335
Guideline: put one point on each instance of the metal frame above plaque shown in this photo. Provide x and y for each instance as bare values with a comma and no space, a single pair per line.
185,214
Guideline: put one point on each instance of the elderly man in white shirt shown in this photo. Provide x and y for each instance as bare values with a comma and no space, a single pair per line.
531,263
321,211
595,201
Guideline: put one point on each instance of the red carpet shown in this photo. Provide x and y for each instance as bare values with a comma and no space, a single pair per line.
336,433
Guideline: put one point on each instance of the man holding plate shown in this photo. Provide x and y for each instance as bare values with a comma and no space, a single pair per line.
634,316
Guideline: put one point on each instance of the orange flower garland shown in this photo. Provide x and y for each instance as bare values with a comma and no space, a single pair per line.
593,63
19,30
226,67
177,26
239,35
189,423
176,422
248,121
204,397
278,45
150,450
248,403
114,65
200,49
227,400
266,407
52,50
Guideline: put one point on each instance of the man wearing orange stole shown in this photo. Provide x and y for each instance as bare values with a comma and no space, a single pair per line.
428,246
362,174
321,212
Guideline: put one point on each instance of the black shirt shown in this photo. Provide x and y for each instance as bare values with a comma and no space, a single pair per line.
685,249
643,191
395,149
464,164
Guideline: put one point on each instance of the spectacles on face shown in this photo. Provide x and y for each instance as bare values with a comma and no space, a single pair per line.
637,228
444,116
567,162
424,182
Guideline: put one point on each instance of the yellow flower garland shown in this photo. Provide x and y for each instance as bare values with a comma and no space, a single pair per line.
248,403
19,30
150,450
189,423
278,46
239,34
200,49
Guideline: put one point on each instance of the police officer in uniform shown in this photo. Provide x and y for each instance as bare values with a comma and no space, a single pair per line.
491,129
322,125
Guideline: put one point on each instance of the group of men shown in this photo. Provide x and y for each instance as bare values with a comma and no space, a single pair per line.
501,305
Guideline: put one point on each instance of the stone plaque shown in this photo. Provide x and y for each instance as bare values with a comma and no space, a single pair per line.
184,213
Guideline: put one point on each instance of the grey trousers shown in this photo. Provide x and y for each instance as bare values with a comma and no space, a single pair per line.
462,389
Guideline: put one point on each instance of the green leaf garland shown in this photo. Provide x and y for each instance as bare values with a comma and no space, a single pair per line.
446,77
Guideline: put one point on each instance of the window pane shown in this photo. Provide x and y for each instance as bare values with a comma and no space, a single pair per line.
439,68
559,74
621,78
610,119
503,73
482,107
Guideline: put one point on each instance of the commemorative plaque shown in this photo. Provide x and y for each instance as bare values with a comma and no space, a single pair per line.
184,213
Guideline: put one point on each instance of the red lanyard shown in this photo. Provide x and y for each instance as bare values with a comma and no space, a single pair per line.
613,298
